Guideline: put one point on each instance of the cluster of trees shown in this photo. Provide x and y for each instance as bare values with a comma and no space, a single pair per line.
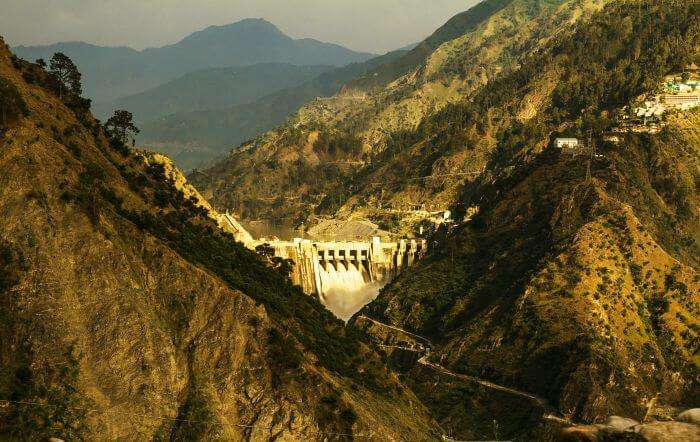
121,126
338,146
284,266
66,73
46,402
62,77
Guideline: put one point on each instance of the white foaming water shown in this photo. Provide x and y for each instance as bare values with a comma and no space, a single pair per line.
345,290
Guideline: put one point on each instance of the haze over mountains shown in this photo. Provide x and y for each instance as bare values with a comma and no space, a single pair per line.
564,289
112,73
212,89
217,68
192,138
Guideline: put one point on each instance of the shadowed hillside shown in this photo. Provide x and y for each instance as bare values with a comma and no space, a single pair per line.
127,314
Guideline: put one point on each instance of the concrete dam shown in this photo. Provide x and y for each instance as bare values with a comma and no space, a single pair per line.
345,275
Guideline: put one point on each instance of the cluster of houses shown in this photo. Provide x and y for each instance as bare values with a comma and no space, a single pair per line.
675,94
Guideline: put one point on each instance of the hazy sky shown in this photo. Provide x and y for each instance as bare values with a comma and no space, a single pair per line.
367,25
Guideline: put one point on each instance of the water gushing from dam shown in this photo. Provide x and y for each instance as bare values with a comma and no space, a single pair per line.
345,275
346,289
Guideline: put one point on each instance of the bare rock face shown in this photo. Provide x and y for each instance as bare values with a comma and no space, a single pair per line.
691,416
669,432
621,423
114,324
619,429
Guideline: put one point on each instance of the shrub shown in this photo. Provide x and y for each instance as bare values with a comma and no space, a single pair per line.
12,105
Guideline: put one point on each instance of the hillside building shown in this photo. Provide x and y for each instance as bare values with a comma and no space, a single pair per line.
683,101
568,145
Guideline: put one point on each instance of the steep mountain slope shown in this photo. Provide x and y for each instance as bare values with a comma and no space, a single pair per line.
211,89
365,124
578,285
456,27
571,289
127,314
111,73
192,138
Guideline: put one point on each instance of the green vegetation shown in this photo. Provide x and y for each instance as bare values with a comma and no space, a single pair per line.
45,402
12,105
63,80
66,73
338,147
195,420
282,354
120,126
334,415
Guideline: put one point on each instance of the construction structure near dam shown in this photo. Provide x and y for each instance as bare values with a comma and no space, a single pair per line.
345,275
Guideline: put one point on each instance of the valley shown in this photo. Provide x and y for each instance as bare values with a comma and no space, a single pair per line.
493,234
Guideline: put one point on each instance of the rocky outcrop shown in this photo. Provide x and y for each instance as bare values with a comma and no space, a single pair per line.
624,429
691,416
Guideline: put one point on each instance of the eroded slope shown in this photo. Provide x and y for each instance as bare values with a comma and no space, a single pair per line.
127,314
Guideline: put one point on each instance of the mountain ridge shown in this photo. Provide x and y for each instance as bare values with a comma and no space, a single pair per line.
211,89
381,118
193,138
115,325
137,71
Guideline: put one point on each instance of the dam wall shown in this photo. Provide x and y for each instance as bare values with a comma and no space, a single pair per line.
323,266
345,275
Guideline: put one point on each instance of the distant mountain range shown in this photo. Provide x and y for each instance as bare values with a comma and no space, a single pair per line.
111,73
195,137
210,89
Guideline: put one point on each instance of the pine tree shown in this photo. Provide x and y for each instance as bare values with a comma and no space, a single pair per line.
67,74
121,125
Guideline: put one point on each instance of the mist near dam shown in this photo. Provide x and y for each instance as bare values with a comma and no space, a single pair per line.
345,289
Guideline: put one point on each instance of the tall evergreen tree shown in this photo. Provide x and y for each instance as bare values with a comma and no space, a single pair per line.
121,125
67,74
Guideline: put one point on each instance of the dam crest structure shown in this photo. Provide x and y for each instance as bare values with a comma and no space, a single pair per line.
322,267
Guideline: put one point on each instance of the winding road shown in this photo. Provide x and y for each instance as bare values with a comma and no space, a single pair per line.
549,412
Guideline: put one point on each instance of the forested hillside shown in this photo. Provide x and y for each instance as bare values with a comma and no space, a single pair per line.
127,314
493,38
577,280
